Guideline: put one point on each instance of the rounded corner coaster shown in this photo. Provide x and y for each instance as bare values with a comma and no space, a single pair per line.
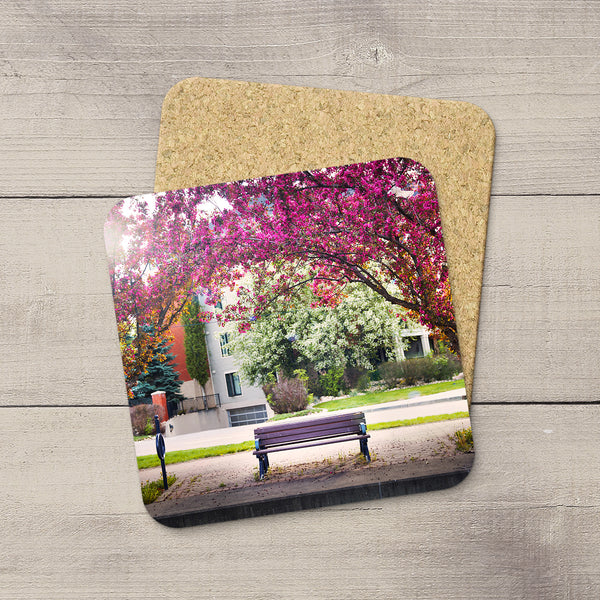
215,130
289,341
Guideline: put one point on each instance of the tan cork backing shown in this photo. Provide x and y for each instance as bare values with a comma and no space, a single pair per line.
216,130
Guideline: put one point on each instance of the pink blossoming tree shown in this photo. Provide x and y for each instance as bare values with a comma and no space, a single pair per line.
375,223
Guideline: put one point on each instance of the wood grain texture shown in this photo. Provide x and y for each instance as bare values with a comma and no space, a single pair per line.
81,88
540,318
58,330
74,506
83,82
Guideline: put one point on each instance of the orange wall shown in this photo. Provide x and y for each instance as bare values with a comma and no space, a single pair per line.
178,351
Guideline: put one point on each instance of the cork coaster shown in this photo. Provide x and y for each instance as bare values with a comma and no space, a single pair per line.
217,130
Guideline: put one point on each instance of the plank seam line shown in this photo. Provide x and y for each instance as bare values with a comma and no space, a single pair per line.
138,193
550,194
74,196
64,406
540,403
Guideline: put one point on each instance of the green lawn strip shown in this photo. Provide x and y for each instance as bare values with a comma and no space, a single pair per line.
418,421
151,490
390,396
178,456
300,413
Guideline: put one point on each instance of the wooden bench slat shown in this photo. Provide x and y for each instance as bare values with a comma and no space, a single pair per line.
314,443
308,427
351,417
345,427
306,434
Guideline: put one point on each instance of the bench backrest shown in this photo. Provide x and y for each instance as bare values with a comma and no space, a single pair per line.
309,429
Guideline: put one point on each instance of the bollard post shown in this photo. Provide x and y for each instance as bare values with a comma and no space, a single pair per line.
160,450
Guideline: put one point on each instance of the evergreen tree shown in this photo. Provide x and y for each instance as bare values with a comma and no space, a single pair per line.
196,355
159,375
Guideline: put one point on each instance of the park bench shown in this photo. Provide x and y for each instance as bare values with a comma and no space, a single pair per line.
305,433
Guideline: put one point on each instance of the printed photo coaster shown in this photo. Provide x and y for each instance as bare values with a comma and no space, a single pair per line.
289,341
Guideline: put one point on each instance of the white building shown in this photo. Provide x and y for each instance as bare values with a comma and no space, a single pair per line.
224,400
418,343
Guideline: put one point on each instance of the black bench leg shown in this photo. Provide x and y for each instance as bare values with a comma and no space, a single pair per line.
364,448
263,466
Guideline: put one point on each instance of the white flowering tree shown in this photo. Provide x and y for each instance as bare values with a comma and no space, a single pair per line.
356,332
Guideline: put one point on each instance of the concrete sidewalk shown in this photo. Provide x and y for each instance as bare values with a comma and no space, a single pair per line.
420,406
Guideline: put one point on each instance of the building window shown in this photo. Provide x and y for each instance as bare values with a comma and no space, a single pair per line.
414,348
225,349
233,384
249,415
219,305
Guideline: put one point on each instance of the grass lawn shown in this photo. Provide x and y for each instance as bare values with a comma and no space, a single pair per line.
299,413
177,456
418,421
151,490
390,396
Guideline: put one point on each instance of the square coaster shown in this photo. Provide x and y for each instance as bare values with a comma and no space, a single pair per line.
289,341
215,130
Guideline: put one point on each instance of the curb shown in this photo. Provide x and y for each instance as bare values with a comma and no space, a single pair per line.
360,493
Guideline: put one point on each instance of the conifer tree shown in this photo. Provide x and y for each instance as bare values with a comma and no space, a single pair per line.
196,356
159,375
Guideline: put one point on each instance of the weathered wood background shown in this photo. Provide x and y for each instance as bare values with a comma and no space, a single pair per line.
81,90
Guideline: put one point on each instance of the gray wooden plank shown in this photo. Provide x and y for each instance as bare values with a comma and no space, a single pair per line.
82,84
539,315
80,91
58,328
539,318
524,524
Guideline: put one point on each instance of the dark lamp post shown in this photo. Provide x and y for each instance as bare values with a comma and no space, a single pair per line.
160,450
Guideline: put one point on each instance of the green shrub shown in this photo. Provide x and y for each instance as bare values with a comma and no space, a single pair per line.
351,377
149,429
463,438
142,418
375,375
391,373
417,369
331,382
363,383
447,365
424,369
312,382
151,490
287,395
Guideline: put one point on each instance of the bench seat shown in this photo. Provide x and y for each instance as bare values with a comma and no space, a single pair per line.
309,432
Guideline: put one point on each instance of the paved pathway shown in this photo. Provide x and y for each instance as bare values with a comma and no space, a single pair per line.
398,454
420,406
